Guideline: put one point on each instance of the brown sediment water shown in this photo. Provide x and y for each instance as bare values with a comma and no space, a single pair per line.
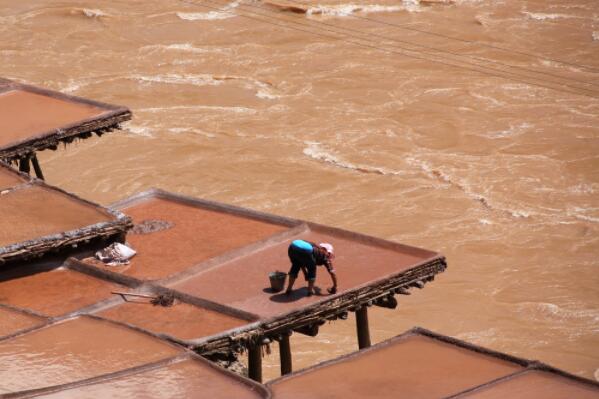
14,321
35,212
181,320
74,350
25,114
536,384
56,292
186,379
413,367
196,235
498,173
246,278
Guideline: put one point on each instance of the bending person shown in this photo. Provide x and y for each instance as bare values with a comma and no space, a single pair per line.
306,255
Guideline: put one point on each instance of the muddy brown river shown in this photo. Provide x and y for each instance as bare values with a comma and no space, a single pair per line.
470,127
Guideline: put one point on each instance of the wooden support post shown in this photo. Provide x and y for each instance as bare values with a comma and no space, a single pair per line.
255,362
24,165
285,353
362,327
36,167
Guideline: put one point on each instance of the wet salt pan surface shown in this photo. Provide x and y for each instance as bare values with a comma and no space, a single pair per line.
181,320
57,292
189,379
535,384
14,321
405,367
74,350
197,235
24,114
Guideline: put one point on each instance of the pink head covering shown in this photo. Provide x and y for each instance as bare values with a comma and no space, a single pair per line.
328,247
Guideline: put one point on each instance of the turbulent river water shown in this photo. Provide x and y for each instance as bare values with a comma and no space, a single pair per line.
467,127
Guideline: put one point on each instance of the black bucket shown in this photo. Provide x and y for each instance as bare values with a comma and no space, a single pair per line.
277,281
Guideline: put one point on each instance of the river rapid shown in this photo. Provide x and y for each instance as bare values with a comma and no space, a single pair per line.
466,127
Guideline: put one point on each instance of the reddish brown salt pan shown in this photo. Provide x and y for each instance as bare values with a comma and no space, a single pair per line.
9,179
74,350
24,114
410,367
55,292
181,320
37,211
246,278
536,384
197,234
186,379
12,321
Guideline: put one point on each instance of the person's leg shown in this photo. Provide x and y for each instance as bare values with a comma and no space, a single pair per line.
311,278
295,268
305,273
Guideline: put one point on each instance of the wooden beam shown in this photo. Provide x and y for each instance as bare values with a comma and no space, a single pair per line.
24,165
255,362
362,327
285,353
36,167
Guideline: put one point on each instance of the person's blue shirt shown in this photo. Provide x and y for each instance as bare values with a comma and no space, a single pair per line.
303,245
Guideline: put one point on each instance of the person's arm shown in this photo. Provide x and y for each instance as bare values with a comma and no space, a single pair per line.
331,270
333,289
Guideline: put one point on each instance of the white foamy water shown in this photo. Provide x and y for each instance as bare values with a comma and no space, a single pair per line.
208,16
138,130
544,311
180,130
94,13
488,99
512,131
224,13
179,79
344,10
485,337
583,188
317,152
266,94
263,90
520,214
441,91
183,47
238,110
583,214
539,16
